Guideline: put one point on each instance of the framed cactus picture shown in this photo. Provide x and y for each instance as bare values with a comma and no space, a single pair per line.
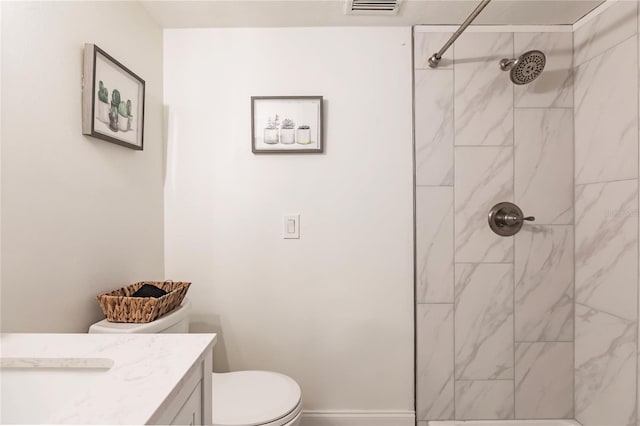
286,124
112,100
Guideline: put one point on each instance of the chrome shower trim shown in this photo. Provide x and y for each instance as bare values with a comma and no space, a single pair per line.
507,64
525,68
506,219
434,60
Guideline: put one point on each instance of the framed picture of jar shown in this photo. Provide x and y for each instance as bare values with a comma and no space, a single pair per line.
286,125
112,100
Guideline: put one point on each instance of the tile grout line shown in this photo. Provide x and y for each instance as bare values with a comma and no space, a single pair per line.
495,28
431,69
513,241
453,236
603,53
592,15
484,146
415,233
543,107
573,84
602,311
633,179
638,201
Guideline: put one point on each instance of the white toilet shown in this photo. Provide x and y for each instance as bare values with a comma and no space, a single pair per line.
240,398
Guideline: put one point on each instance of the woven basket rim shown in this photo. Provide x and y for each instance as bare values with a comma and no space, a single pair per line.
181,284
120,307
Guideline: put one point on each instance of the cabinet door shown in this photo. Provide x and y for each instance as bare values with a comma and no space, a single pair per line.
191,411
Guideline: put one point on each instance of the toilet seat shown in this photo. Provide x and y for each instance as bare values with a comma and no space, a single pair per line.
255,398
291,419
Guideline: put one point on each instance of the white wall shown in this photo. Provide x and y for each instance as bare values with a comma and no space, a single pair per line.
0,165
333,309
79,215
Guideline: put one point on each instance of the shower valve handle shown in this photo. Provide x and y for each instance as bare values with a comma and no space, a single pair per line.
510,219
506,219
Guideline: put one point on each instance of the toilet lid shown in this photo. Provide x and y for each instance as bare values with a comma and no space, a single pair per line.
247,398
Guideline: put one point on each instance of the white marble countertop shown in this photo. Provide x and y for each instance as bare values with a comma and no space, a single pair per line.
146,369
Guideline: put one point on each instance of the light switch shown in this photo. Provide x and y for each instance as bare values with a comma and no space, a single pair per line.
291,226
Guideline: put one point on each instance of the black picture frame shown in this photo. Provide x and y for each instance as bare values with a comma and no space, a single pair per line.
119,125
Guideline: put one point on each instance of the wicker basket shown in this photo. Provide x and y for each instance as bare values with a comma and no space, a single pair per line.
119,306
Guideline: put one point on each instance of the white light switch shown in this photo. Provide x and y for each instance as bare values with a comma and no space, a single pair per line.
291,226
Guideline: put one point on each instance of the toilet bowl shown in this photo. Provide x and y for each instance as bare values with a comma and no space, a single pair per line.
239,398
275,399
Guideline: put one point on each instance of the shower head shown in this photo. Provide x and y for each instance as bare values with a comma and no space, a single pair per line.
526,68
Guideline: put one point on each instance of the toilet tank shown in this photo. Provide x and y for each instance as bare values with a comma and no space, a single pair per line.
176,321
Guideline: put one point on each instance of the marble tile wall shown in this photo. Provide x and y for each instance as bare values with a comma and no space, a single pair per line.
605,368
606,110
483,97
606,217
435,249
544,379
495,315
504,328
544,284
435,348
483,321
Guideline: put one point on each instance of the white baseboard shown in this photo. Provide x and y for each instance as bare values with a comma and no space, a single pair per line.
358,418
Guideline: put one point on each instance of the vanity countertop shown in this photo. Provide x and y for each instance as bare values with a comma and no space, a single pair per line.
147,370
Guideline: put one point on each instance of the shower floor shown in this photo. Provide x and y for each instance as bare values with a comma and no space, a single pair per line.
550,422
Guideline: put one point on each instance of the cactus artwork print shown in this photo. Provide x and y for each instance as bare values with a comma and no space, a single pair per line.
103,105
114,111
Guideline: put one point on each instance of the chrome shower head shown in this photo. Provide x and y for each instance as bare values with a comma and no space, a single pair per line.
526,68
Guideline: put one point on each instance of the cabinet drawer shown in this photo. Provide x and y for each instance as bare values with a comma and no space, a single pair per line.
191,411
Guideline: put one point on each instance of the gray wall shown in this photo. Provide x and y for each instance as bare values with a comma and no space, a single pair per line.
494,314
79,215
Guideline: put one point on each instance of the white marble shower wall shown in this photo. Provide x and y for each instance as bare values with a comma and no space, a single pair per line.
495,315
606,217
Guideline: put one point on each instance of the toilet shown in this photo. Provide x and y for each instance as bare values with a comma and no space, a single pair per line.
240,398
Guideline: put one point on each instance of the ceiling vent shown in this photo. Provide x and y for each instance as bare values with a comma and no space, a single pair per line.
373,7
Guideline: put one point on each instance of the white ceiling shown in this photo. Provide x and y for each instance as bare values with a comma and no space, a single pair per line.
310,13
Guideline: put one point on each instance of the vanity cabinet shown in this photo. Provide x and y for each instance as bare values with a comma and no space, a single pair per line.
191,412
190,402
113,379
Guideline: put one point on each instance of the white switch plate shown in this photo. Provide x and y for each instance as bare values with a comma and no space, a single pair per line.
291,229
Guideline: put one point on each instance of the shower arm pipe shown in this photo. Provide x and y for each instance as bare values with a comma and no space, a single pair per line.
434,60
